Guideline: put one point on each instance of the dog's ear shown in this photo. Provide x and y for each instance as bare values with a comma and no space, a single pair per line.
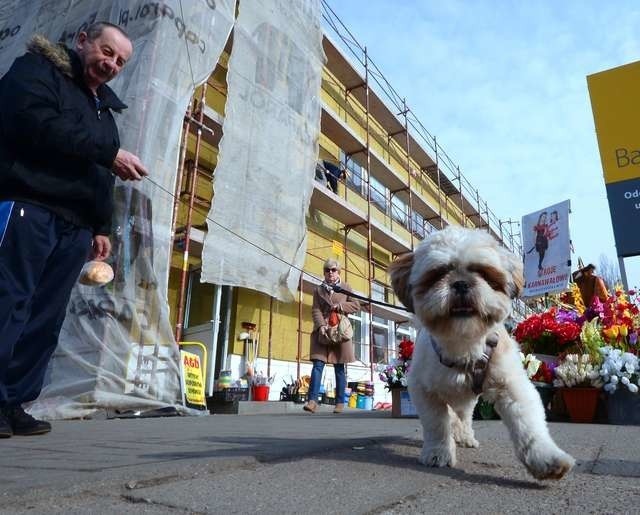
400,271
513,266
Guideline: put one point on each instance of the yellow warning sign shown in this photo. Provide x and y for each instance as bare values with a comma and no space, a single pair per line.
193,379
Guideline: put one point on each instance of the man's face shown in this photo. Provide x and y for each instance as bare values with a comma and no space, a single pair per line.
104,57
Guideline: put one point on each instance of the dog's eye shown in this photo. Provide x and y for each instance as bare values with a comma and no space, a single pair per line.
492,276
435,275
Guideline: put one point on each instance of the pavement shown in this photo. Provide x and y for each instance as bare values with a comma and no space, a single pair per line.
283,460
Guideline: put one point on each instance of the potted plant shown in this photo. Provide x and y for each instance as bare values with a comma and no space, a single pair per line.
620,377
578,379
541,375
550,333
619,319
394,375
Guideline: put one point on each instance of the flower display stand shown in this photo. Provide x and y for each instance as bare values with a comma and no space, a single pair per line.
401,405
581,403
484,410
624,407
547,358
546,392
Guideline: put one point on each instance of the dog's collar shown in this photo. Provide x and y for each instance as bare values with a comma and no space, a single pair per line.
476,369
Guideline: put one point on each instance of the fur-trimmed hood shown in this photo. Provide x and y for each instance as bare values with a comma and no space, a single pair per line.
57,54
68,62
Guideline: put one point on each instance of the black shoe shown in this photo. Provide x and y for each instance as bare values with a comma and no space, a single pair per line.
5,427
24,424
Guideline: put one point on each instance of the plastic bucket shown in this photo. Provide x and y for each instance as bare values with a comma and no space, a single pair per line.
362,402
260,392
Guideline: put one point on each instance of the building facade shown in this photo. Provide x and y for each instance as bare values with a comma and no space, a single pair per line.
381,185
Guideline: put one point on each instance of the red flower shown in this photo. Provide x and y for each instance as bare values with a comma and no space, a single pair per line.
544,374
405,349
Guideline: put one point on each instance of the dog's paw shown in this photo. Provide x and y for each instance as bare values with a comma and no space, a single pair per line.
463,435
466,440
545,463
437,457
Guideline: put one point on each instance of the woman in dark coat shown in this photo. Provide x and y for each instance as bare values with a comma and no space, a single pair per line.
326,300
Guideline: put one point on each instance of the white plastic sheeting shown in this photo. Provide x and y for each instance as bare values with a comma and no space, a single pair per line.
117,348
264,177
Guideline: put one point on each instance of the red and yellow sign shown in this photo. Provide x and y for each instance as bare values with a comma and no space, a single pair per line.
193,379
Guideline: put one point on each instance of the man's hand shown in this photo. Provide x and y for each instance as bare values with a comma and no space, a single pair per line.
101,247
323,330
128,166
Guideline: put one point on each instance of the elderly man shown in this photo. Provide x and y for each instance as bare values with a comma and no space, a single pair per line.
59,152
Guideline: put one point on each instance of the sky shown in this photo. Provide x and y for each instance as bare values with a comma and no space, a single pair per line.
502,85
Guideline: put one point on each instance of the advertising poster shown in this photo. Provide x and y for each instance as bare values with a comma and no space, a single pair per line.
547,250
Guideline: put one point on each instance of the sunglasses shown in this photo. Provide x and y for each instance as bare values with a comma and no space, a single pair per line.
330,270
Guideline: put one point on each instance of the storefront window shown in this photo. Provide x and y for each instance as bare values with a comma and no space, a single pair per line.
359,346
380,343
402,332
200,304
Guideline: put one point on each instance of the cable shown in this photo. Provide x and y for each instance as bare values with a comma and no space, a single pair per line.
242,238
337,289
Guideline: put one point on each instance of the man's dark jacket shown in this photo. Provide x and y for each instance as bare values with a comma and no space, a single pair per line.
56,146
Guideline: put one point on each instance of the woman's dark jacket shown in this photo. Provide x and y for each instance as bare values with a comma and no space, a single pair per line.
56,146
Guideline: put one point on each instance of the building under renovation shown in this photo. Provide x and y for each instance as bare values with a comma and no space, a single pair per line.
380,185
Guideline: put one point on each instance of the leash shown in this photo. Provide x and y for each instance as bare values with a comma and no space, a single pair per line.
338,289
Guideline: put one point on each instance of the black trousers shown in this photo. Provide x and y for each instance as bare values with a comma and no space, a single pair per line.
41,256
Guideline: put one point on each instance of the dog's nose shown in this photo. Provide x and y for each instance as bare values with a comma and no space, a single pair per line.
460,287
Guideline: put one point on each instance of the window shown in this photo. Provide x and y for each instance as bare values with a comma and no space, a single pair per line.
379,194
378,291
402,332
355,173
399,211
359,346
380,343
418,225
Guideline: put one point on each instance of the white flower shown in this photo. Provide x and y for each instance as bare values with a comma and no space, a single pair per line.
619,368
576,370
609,388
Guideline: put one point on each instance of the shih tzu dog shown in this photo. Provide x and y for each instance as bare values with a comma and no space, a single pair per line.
460,284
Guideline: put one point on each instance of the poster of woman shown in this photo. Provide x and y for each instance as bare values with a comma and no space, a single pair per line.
547,250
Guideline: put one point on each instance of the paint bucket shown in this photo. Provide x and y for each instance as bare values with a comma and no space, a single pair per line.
260,392
364,402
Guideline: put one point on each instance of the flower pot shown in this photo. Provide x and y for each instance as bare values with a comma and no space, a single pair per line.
484,410
547,358
581,403
401,405
624,407
546,392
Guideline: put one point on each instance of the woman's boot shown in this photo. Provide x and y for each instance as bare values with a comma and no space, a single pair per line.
310,406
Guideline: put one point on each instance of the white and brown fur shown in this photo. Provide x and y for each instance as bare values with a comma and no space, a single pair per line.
460,284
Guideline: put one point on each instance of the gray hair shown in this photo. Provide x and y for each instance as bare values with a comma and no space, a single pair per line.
331,263
95,30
